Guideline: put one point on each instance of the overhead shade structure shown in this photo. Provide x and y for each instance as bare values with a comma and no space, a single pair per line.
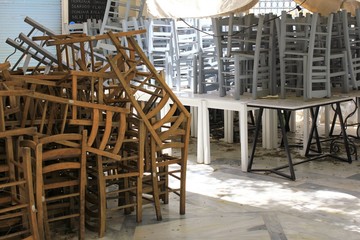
325,7
196,8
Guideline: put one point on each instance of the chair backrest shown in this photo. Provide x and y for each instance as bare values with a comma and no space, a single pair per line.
71,28
37,29
305,45
94,26
60,179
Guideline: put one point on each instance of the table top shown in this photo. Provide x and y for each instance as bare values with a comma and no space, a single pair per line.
296,103
213,100
227,102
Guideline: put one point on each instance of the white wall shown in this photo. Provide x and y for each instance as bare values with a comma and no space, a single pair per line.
12,14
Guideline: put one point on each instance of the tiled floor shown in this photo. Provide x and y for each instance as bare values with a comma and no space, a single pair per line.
225,203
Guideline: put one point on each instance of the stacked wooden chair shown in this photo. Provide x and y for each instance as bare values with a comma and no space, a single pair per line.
339,71
60,177
171,130
99,132
17,203
186,46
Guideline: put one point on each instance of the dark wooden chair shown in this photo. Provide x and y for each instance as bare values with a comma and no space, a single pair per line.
60,176
17,204
138,77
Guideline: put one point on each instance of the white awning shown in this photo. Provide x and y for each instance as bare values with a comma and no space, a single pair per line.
196,8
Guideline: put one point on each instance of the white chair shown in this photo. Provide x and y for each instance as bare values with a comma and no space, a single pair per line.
339,74
93,26
29,54
186,46
305,55
224,29
74,28
206,66
253,63
352,45
117,19
160,46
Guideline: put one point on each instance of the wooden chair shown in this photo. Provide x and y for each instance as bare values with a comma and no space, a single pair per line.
115,154
60,180
115,168
351,35
170,130
253,63
339,69
71,28
206,67
305,56
93,26
224,29
28,52
186,46
121,16
160,45
17,205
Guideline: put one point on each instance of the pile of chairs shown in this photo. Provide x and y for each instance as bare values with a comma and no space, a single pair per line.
309,55
86,134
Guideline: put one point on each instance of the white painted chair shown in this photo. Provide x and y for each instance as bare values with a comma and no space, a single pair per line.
253,63
121,16
224,29
186,46
352,45
93,26
160,46
31,55
73,28
305,55
206,72
339,74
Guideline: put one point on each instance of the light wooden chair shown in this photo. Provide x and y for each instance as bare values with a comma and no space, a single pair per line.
339,68
121,16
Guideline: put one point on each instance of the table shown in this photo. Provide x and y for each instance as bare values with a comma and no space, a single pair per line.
293,104
205,101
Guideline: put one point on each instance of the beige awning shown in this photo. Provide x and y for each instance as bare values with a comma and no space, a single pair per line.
325,7
196,8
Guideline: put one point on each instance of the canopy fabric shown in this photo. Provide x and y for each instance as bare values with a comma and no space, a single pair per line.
325,7
196,8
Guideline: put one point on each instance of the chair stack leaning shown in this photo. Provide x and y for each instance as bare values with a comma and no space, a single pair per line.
98,135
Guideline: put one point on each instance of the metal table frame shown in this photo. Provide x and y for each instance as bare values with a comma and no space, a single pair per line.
286,105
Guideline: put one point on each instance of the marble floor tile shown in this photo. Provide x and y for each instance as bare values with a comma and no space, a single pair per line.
225,203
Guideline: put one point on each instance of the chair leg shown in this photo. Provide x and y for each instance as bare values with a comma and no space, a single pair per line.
155,183
101,197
